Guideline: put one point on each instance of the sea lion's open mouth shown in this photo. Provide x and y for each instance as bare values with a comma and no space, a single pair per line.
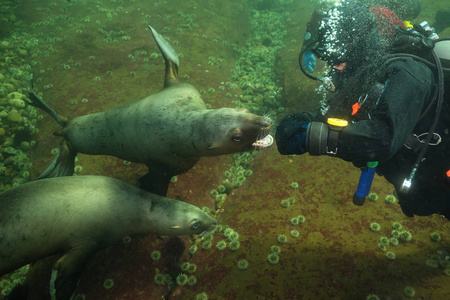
265,142
208,231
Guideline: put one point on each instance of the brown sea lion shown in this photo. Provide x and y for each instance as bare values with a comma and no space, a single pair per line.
76,216
168,131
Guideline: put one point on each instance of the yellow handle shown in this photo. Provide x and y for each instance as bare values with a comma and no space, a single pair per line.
337,122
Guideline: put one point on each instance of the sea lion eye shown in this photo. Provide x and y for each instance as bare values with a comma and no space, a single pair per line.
237,138
195,225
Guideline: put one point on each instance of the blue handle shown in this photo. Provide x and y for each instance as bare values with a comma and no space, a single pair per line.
365,182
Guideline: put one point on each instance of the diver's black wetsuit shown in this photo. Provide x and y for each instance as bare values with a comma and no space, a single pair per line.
395,98
383,125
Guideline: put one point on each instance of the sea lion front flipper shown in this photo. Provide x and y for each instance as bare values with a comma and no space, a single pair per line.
156,181
170,58
63,164
66,273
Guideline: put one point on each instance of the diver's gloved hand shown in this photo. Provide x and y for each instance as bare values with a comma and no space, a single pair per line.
291,134
309,61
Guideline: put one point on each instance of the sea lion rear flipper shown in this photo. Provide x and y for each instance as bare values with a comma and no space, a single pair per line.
37,102
170,58
66,273
63,164
155,181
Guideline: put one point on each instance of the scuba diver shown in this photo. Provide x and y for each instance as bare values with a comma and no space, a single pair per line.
389,114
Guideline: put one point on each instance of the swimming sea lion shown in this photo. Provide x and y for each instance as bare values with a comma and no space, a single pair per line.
168,131
76,216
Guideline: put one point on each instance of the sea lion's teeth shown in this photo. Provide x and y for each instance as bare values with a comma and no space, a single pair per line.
264,143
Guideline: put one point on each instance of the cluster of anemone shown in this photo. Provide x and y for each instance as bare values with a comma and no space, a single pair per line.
235,177
201,296
275,249
405,236
216,62
384,241
295,233
230,234
273,258
409,292
193,249
390,199
155,255
242,264
287,202
299,220
183,279
435,237
187,21
372,197
397,235
207,241
221,245
108,283
234,245
254,69
18,122
397,226
374,226
440,260
159,279
282,239
274,255
295,221
390,255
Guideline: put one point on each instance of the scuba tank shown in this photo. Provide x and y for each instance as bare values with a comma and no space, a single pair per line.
442,49
422,40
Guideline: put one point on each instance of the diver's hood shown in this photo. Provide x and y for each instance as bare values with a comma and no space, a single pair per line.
347,33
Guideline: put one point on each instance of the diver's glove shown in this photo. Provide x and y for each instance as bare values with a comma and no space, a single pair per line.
309,61
291,134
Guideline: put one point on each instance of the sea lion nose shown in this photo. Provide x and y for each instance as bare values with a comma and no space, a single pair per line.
266,122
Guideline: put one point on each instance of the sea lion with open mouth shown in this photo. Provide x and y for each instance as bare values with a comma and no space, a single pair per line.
76,216
168,131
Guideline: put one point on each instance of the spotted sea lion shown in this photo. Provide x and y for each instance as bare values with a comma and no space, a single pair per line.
168,131
77,215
